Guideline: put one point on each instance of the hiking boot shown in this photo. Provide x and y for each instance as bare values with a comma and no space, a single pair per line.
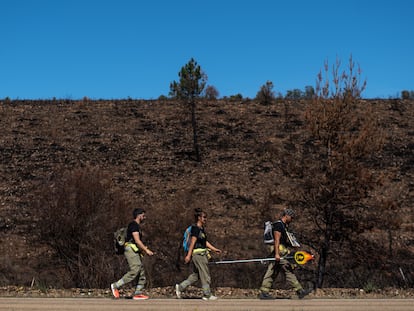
211,297
178,291
303,292
115,291
265,296
140,297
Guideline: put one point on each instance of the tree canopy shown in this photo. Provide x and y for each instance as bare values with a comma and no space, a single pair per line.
191,83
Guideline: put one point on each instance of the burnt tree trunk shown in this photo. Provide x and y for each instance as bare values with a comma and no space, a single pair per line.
195,134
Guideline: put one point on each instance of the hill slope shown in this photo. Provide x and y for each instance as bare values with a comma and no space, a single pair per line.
147,148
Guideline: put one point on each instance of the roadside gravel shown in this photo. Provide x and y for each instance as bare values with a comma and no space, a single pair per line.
193,292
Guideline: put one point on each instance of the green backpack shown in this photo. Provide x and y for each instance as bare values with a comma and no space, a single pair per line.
119,240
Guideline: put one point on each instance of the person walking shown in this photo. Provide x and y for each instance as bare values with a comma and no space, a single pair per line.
198,255
279,249
134,251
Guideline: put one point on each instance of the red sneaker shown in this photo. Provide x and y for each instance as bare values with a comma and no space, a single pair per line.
115,291
140,297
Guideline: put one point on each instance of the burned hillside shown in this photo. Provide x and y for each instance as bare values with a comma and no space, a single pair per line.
143,149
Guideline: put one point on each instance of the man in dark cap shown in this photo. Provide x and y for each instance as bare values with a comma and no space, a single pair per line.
134,250
279,249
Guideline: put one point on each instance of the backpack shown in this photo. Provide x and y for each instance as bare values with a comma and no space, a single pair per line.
269,239
187,238
268,233
119,240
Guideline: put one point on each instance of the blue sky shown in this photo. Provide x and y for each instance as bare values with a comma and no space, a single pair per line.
113,49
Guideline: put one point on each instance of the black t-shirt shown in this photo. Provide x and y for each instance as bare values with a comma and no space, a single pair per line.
133,227
281,227
201,236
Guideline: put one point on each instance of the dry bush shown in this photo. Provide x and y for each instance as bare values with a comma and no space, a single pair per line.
78,213
266,95
211,92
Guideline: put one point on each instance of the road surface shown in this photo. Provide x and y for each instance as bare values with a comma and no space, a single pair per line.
103,304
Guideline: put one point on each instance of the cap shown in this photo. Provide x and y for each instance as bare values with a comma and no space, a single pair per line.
289,212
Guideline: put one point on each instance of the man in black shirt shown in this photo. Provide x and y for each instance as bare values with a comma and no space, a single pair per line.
198,254
280,249
134,250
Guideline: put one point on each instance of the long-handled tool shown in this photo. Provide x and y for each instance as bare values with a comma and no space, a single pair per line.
300,257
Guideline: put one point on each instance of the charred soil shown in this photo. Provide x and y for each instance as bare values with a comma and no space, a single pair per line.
146,147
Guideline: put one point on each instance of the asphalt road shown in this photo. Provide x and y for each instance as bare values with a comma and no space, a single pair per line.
102,304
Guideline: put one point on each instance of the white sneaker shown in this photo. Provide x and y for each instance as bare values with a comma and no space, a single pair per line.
177,291
211,297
